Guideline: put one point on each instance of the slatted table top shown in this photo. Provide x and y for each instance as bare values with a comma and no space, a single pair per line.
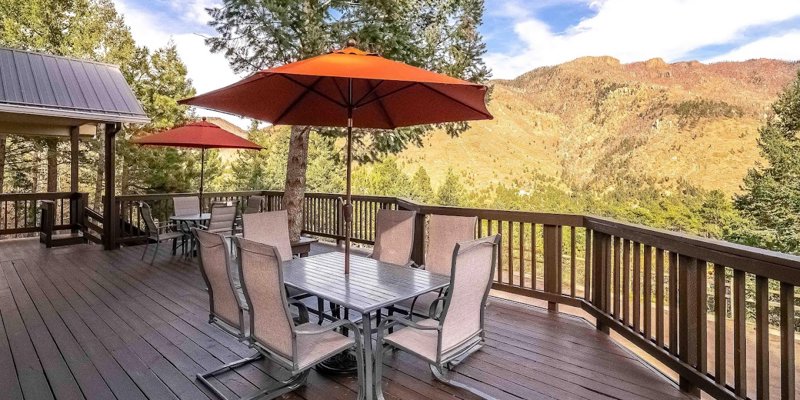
371,284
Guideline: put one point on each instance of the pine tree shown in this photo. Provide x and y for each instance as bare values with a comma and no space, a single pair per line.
421,189
434,34
771,198
452,192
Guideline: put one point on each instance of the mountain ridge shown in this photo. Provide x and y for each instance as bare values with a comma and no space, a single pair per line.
594,121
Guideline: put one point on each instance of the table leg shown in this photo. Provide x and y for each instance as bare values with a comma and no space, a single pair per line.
369,358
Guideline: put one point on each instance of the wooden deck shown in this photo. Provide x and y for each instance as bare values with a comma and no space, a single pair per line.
79,322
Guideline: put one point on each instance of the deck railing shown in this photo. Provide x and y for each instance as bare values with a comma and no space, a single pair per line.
706,309
20,217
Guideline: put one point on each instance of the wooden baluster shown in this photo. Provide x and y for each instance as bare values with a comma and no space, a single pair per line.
572,261
739,334
637,286
648,292
552,263
500,251
762,337
626,279
787,341
616,277
534,261
687,328
522,254
587,267
510,252
673,303
601,261
720,328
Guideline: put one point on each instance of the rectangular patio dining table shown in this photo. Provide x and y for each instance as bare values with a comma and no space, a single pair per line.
371,286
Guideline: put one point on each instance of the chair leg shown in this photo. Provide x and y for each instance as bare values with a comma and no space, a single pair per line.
320,310
174,246
146,245
442,375
285,386
152,260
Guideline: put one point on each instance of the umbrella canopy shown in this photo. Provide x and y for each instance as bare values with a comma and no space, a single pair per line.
349,88
318,91
198,134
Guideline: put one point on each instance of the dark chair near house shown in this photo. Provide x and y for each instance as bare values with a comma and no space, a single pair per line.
394,236
455,327
159,233
296,348
255,204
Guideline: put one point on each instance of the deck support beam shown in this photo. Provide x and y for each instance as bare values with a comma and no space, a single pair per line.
110,217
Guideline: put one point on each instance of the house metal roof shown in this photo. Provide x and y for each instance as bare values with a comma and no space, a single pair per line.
54,87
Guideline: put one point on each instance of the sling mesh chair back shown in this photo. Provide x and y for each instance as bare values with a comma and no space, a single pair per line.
444,232
226,304
255,204
446,339
186,205
158,233
274,334
223,217
394,236
270,228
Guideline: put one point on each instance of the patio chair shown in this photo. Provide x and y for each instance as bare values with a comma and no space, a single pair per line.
444,232
186,205
255,204
159,233
270,228
394,236
227,303
274,334
449,336
223,217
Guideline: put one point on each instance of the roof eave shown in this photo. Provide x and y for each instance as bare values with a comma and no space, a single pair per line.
87,116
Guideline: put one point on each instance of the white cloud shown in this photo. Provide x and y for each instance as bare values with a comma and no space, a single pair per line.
634,30
207,71
783,47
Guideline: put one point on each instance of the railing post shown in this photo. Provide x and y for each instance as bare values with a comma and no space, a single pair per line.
688,304
418,250
601,260
552,262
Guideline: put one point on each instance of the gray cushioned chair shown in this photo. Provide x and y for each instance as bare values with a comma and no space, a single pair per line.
455,328
159,233
394,236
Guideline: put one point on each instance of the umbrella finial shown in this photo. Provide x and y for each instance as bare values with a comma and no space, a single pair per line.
203,119
351,42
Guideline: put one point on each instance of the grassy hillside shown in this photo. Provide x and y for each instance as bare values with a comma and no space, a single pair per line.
593,121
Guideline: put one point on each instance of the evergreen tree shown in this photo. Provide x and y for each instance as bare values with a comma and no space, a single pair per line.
452,192
421,189
434,34
771,197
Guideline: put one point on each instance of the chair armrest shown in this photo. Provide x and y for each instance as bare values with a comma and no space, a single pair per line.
302,309
391,321
317,329
432,312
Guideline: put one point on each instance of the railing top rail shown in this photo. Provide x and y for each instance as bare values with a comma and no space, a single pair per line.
766,263
37,196
157,196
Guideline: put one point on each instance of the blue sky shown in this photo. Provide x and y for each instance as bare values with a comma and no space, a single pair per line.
525,34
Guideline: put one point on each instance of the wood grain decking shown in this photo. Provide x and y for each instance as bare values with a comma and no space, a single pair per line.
79,322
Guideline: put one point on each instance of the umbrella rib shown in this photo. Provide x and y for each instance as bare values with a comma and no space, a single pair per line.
380,103
456,100
377,98
370,92
297,100
313,89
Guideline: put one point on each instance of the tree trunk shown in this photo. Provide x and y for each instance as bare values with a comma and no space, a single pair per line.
3,140
99,168
295,189
52,165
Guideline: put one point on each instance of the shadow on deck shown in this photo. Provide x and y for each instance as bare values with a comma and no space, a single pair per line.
79,322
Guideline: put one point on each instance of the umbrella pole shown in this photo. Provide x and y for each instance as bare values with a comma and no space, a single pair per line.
348,208
202,172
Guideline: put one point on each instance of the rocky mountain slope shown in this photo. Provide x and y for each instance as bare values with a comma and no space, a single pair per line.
593,121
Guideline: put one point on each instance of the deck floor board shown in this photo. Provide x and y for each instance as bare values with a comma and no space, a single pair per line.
80,322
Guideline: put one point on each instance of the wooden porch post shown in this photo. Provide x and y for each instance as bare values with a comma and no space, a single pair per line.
552,262
110,217
73,158
601,259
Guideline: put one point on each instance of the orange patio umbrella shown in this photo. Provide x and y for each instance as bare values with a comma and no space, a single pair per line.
198,134
349,88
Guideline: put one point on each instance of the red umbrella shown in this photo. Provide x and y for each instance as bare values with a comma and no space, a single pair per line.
198,134
349,88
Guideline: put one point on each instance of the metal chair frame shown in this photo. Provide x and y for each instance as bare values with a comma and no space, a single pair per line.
156,231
